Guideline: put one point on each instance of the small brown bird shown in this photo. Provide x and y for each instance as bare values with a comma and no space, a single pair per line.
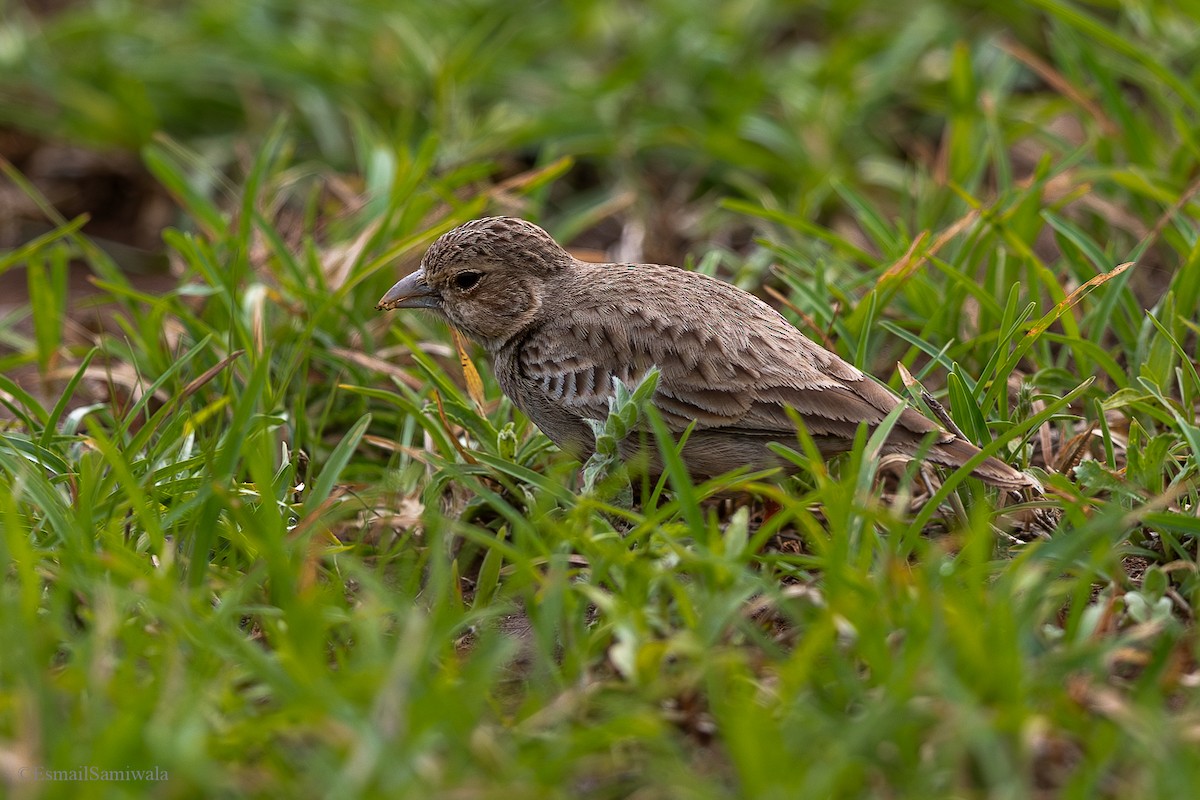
559,330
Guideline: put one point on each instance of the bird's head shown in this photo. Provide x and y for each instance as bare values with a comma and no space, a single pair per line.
487,278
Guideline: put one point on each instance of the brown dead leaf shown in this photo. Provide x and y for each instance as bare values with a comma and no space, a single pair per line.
470,374
1074,297
1057,81
378,365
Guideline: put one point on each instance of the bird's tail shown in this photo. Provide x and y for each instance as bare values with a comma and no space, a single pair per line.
957,452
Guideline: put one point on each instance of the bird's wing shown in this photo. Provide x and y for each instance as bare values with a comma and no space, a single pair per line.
728,361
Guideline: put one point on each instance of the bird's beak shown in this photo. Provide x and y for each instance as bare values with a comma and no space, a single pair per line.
410,292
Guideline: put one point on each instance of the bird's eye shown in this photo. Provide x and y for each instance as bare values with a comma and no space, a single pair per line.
465,281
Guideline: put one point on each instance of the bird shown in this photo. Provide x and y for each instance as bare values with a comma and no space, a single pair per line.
560,330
